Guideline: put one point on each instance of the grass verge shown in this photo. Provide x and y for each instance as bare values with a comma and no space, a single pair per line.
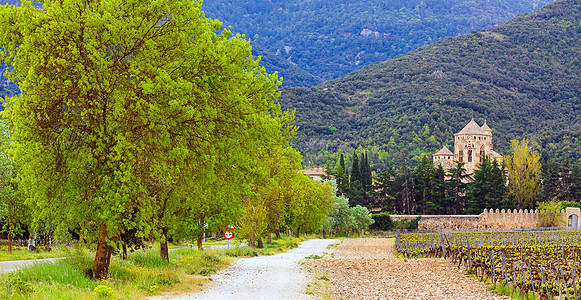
143,274
21,253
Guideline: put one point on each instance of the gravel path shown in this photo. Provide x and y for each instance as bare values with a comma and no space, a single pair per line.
266,277
368,269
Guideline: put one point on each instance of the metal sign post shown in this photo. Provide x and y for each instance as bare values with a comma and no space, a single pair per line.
228,235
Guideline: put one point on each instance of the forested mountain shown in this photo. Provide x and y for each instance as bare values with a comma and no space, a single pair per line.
523,77
329,39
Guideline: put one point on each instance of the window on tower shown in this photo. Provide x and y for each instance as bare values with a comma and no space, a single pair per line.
461,156
469,155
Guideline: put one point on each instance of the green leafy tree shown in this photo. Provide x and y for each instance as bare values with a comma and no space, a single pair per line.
340,215
438,205
550,213
524,170
488,189
457,188
106,85
12,207
424,175
404,185
361,218
382,192
576,182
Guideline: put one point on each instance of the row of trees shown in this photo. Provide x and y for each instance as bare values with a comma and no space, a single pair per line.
143,120
358,182
431,190
520,180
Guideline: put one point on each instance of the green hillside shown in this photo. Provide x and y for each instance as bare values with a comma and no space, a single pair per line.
523,77
329,39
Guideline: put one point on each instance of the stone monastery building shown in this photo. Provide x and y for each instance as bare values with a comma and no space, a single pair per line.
471,145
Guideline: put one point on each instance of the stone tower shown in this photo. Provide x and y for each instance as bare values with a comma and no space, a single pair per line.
471,145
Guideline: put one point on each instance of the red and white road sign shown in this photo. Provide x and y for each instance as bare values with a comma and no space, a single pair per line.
228,235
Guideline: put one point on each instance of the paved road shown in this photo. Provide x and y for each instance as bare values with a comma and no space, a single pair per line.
266,277
9,266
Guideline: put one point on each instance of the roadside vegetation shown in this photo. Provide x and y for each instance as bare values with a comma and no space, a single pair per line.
21,253
143,273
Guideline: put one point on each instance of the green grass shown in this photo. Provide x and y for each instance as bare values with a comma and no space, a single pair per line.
144,273
503,289
21,253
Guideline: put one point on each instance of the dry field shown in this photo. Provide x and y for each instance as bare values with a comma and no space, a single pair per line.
368,269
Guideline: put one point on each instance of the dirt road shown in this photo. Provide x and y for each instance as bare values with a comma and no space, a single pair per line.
266,277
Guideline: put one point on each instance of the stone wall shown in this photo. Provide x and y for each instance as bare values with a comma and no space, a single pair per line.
489,219
498,219
442,222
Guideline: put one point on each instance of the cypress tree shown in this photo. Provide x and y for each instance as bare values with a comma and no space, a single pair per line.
365,172
355,171
341,177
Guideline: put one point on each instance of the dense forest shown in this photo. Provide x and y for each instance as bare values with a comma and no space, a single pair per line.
329,39
523,78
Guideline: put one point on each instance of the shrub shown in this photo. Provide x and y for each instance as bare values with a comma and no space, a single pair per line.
103,291
382,221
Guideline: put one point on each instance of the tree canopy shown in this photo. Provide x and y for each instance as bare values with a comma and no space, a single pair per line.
124,101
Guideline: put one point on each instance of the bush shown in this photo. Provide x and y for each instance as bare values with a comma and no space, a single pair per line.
382,222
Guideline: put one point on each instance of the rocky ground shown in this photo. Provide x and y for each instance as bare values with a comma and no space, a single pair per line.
368,269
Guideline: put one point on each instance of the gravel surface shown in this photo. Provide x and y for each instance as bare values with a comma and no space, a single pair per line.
368,269
266,277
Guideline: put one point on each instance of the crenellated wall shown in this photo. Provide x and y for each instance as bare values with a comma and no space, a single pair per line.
489,219
509,219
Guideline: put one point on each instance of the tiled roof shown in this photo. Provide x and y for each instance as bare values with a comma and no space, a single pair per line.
486,128
472,128
444,151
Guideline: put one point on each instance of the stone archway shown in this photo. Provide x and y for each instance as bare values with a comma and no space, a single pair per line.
572,215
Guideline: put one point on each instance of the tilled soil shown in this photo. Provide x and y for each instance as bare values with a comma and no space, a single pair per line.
368,269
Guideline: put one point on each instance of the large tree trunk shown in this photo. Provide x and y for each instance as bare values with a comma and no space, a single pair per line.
298,233
163,249
277,233
200,239
324,234
103,255
260,244
124,255
251,241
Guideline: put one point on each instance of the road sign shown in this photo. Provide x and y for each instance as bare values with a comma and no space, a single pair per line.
228,235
